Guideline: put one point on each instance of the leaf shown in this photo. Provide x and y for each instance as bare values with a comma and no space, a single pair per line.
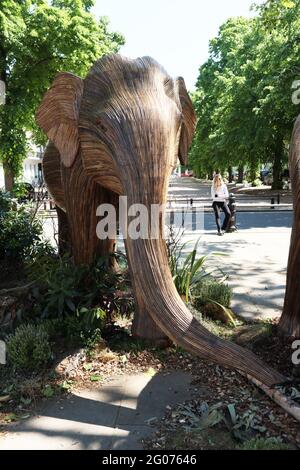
11,417
123,358
88,366
96,378
232,412
26,401
226,310
48,391
151,372
70,304
66,384
4,398
8,389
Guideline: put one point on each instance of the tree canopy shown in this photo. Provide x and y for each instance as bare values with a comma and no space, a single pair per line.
243,95
39,38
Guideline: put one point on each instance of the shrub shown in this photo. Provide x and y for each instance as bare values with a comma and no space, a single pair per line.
208,290
28,348
19,234
78,328
6,203
256,182
84,294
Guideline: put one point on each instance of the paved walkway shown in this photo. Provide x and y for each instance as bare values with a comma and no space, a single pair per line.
256,255
114,417
256,262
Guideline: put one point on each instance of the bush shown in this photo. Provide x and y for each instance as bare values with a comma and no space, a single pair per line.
6,203
208,290
81,294
28,348
78,328
256,182
19,234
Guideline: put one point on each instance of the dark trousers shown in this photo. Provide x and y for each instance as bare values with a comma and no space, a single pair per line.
218,206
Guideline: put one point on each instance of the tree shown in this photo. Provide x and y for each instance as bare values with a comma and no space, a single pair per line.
243,97
38,38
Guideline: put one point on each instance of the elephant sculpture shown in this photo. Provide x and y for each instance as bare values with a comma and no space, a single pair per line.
118,132
290,319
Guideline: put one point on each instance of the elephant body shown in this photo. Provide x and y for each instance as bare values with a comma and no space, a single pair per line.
120,131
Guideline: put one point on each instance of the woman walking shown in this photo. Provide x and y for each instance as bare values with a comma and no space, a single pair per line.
219,194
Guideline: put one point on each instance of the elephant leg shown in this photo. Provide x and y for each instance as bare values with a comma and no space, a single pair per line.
83,195
52,176
64,240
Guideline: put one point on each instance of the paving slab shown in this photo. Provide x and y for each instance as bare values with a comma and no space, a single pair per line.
113,416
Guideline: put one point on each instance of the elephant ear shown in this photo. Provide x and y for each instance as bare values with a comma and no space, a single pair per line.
58,115
188,120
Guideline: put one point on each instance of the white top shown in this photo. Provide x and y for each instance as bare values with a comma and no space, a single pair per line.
221,192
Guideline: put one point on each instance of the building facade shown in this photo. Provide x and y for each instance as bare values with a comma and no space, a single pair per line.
32,168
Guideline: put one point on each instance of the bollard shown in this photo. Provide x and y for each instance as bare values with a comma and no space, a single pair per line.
183,217
172,218
194,219
232,221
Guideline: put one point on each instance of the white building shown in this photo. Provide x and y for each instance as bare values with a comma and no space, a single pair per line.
32,168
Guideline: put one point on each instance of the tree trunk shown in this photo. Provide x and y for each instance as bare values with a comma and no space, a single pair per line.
277,166
230,175
240,174
253,172
290,319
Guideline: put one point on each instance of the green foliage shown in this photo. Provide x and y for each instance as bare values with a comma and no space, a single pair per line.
20,233
243,96
185,270
39,39
270,443
256,182
28,349
87,292
6,203
211,290
22,191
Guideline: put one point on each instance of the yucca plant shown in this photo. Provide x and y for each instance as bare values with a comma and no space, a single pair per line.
189,270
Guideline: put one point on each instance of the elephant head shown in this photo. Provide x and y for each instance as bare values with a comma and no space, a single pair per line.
127,123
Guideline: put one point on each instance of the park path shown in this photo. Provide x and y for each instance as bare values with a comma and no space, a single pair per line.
115,416
256,255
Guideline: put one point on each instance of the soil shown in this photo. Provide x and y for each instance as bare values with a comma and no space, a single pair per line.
120,354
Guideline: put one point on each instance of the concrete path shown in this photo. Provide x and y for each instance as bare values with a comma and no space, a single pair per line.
256,256
255,260
114,417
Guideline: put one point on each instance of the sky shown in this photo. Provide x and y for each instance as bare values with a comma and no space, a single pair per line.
176,33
